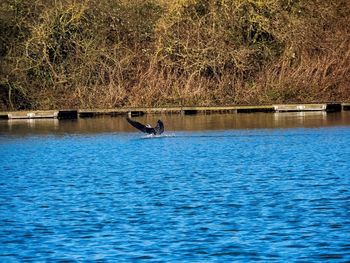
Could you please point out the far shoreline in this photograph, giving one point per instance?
(184, 110)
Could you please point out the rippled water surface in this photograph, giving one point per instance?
(215, 188)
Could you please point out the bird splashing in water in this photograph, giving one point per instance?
(157, 130)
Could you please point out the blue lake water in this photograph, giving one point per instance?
(220, 188)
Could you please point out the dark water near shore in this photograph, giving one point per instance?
(214, 188)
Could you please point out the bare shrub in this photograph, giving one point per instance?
(109, 54)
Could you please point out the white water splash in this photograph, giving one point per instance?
(163, 135)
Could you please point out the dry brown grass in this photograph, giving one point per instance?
(84, 54)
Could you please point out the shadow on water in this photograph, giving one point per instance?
(176, 123)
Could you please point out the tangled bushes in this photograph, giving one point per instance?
(181, 52)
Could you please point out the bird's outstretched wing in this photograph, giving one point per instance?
(140, 126)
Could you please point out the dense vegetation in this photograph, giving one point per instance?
(104, 54)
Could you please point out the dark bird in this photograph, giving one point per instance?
(159, 129)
